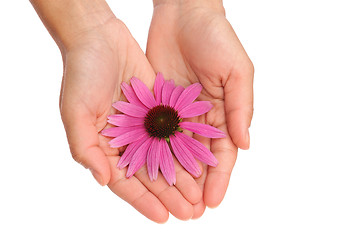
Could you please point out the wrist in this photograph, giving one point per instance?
(214, 5)
(67, 19)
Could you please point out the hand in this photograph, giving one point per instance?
(192, 41)
(95, 66)
(98, 54)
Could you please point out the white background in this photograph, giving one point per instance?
(301, 179)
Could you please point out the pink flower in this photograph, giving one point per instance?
(152, 128)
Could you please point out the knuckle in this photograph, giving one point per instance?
(248, 111)
(249, 68)
(78, 157)
(245, 70)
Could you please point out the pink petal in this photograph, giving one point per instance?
(175, 95)
(117, 131)
(130, 109)
(184, 156)
(167, 91)
(195, 109)
(143, 93)
(127, 138)
(203, 129)
(122, 120)
(167, 163)
(158, 85)
(128, 153)
(131, 96)
(153, 159)
(188, 96)
(198, 150)
(139, 157)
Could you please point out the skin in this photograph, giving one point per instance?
(99, 53)
(192, 41)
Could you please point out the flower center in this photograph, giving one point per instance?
(162, 121)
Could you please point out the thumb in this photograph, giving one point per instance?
(238, 94)
(84, 145)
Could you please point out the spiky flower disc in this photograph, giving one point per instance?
(162, 121)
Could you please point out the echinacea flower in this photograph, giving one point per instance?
(152, 128)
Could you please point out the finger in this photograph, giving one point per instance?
(171, 198)
(218, 177)
(238, 94)
(84, 145)
(186, 184)
(200, 207)
(136, 194)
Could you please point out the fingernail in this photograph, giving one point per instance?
(97, 176)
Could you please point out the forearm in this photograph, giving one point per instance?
(65, 19)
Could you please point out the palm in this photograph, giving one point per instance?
(94, 70)
(200, 46)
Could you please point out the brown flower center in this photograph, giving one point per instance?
(162, 121)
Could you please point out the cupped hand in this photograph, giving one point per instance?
(197, 44)
(95, 64)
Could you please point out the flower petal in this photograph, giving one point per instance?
(127, 138)
(175, 95)
(158, 85)
(184, 156)
(143, 93)
(188, 96)
(131, 96)
(167, 163)
(128, 153)
(130, 109)
(153, 159)
(167, 92)
(122, 120)
(198, 150)
(195, 109)
(139, 157)
(203, 129)
(117, 131)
